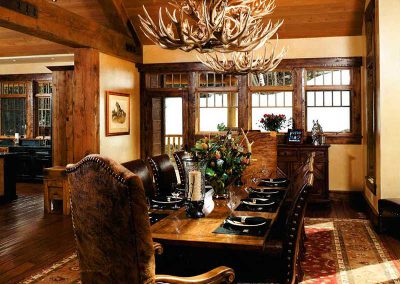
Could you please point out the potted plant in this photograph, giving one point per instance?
(226, 157)
(272, 122)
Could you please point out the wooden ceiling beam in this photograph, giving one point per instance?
(64, 27)
(115, 12)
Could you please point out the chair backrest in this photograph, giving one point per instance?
(163, 172)
(110, 222)
(140, 168)
(294, 225)
(178, 156)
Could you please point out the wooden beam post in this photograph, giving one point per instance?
(62, 128)
(59, 25)
(86, 103)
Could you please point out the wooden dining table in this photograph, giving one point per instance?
(178, 229)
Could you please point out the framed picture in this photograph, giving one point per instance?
(295, 136)
(117, 114)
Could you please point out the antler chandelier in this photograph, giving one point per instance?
(241, 63)
(223, 26)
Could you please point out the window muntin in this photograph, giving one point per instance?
(13, 116)
(274, 78)
(329, 99)
(167, 80)
(214, 80)
(216, 108)
(328, 77)
(271, 103)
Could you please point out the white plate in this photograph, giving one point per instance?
(258, 204)
(264, 191)
(240, 224)
(172, 200)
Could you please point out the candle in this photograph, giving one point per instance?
(17, 136)
(195, 185)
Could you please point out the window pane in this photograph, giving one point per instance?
(280, 99)
(203, 100)
(346, 98)
(218, 100)
(332, 119)
(310, 99)
(310, 78)
(345, 77)
(319, 98)
(337, 101)
(327, 98)
(263, 99)
(173, 116)
(211, 117)
(319, 78)
(210, 100)
(336, 77)
(288, 99)
(274, 78)
(258, 113)
(328, 78)
(271, 100)
(255, 99)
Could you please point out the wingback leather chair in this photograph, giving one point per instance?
(112, 229)
(139, 167)
(163, 172)
(178, 156)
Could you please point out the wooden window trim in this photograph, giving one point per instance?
(244, 90)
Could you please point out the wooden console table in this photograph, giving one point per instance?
(290, 159)
(7, 177)
(56, 188)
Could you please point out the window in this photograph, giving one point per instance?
(328, 100)
(271, 93)
(217, 80)
(43, 108)
(168, 80)
(13, 116)
(217, 108)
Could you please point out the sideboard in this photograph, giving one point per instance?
(291, 157)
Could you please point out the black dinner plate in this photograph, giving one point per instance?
(272, 182)
(246, 221)
(257, 202)
(166, 200)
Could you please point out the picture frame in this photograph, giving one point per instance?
(117, 113)
(295, 136)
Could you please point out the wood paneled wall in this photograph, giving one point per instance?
(62, 128)
(86, 103)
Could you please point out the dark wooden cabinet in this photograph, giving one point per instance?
(7, 177)
(292, 157)
(31, 161)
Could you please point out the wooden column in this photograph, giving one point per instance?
(244, 111)
(62, 128)
(86, 103)
(30, 122)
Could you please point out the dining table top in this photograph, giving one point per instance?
(178, 229)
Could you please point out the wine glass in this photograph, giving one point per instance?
(175, 193)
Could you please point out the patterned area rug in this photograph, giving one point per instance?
(338, 251)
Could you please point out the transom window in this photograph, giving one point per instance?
(168, 80)
(217, 80)
(275, 78)
(328, 100)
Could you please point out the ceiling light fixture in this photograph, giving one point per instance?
(223, 26)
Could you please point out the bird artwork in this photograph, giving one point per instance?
(118, 114)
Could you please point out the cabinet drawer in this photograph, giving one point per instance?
(55, 193)
(287, 153)
(54, 183)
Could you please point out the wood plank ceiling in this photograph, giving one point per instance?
(303, 19)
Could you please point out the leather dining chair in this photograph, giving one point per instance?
(178, 156)
(139, 167)
(163, 172)
(112, 229)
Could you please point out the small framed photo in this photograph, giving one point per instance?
(295, 136)
(117, 114)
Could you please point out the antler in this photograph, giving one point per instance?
(218, 25)
(248, 144)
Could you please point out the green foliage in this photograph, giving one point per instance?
(221, 127)
(225, 157)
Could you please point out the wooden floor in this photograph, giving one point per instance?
(31, 241)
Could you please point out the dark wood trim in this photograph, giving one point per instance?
(25, 77)
(146, 137)
(61, 68)
(192, 109)
(285, 64)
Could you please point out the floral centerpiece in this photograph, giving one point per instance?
(272, 122)
(226, 157)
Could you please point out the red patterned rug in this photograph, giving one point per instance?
(338, 251)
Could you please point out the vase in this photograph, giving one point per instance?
(220, 189)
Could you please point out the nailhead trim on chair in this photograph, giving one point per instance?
(156, 172)
(101, 163)
(179, 165)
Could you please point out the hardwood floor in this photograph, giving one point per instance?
(31, 241)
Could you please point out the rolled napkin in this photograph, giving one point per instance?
(248, 220)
